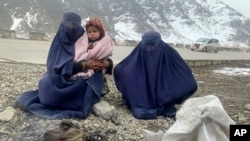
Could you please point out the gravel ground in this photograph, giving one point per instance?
(15, 78)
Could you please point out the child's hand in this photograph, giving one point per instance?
(97, 64)
(105, 64)
(94, 64)
(102, 64)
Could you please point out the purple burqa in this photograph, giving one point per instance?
(58, 96)
(153, 78)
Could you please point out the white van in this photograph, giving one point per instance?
(206, 45)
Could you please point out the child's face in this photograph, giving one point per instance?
(93, 33)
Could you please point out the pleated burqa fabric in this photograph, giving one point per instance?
(153, 78)
(57, 95)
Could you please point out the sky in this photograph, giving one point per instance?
(241, 6)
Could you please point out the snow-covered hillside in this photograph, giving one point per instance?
(181, 21)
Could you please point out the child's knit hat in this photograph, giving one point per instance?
(94, 21)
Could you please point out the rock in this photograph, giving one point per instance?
(200, 82)
(104, 110)
(247, 106)
(7, 114)
(241, 118)
(25, 126)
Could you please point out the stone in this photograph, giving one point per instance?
(247, 106)
(7, 114)
(104, 110)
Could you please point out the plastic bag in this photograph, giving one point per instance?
(199, 119)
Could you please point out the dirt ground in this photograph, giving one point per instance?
(15, 78)
(233, 91)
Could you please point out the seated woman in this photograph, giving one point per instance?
(153, 78)
(59, 96)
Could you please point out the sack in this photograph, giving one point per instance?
(199, 119)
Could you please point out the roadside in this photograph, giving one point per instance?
(18, 125)
(34, 51)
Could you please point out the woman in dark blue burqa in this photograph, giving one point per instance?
(58, 96)
(153, 78)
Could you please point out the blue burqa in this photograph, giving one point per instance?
(153, 78)
(58, 96)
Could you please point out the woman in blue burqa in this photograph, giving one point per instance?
(58, 95)
(153, 78)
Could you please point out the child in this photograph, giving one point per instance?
(94, 44)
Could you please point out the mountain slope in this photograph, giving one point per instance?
(177, 21)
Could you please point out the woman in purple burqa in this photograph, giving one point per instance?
(153, 78)
(58, 96)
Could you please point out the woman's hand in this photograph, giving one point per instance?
(97, 64)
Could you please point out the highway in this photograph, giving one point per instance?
(32, 51)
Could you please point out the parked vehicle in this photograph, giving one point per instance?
(206, 45)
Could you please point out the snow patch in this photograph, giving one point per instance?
(233, 71)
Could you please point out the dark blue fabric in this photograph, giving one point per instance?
(61, 54)
(74, 101)
(58, 96)
(153, 78)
